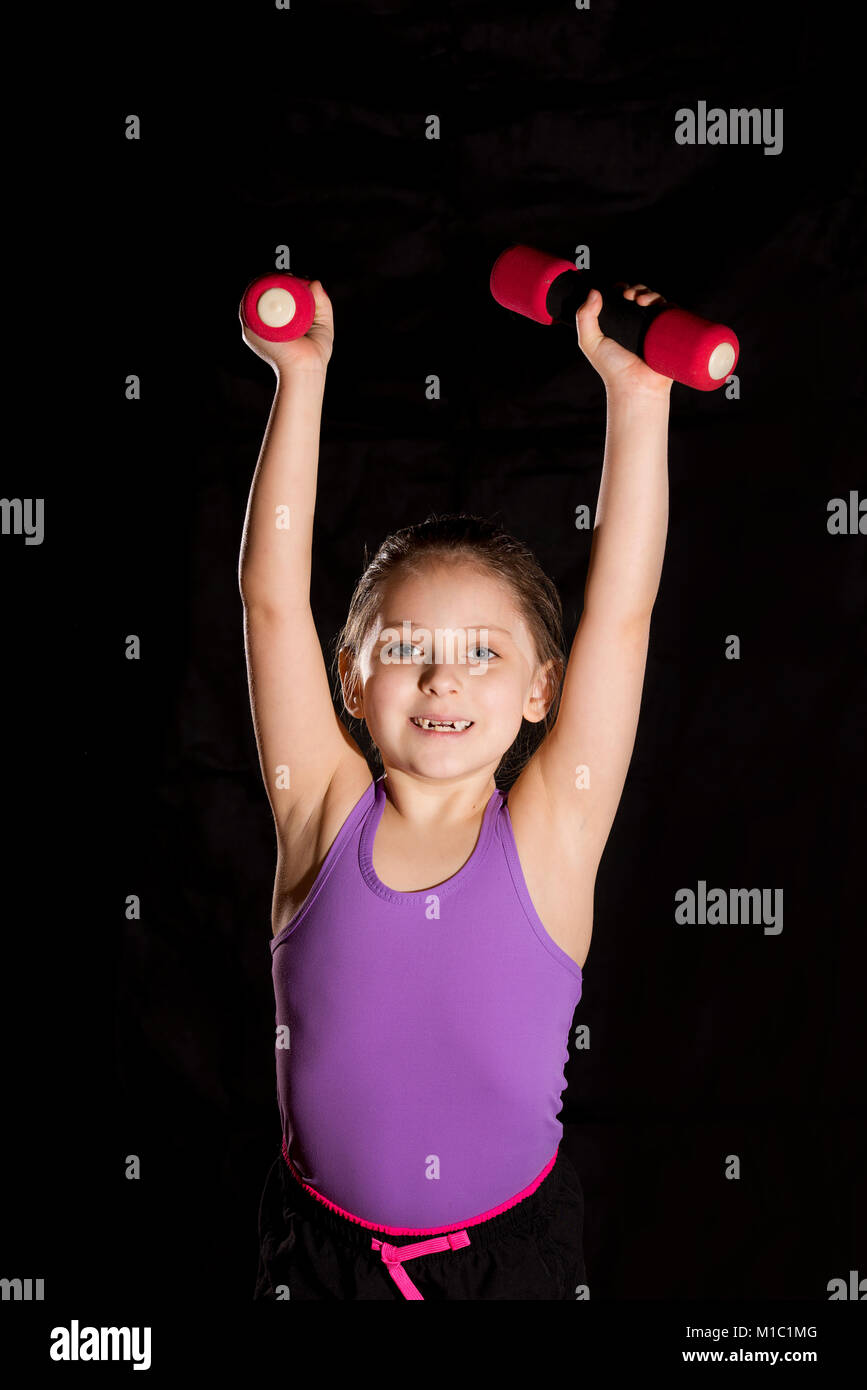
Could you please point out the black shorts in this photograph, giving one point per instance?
(531, 1250)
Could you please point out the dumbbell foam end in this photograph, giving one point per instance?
(278, 307)
(690, 349)
(521, 278)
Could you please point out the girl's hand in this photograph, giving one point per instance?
(618, 367)
(312, 352)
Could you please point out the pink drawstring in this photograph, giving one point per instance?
(394, 1255)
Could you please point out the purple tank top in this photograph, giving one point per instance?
(421, 1037)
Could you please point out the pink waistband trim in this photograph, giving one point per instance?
(416, 1230)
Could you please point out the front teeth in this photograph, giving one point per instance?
(458, 724)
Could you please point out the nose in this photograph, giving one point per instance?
(439, 679)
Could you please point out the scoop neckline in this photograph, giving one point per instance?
(449, 885)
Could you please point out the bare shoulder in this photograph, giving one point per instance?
(305, 837)
(559, 871)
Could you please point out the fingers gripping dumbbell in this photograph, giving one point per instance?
(674, 342)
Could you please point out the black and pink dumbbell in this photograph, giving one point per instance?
(278, 307)
(671, 340)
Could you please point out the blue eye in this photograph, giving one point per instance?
(401, 647)
(409, 647)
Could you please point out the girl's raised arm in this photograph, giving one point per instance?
(585, 758)
(301, 740)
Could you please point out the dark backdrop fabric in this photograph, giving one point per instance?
(306, 127)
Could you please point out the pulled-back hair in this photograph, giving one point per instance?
(478, 541)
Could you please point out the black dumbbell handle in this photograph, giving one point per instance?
(621, 319)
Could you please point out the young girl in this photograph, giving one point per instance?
(429, 928)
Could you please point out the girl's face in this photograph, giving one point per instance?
(448, 644)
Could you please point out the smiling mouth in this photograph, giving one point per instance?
(446, 726)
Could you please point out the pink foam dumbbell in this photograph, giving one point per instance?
(278, 307)
(673, 341)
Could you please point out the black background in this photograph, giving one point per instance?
(307, 128)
